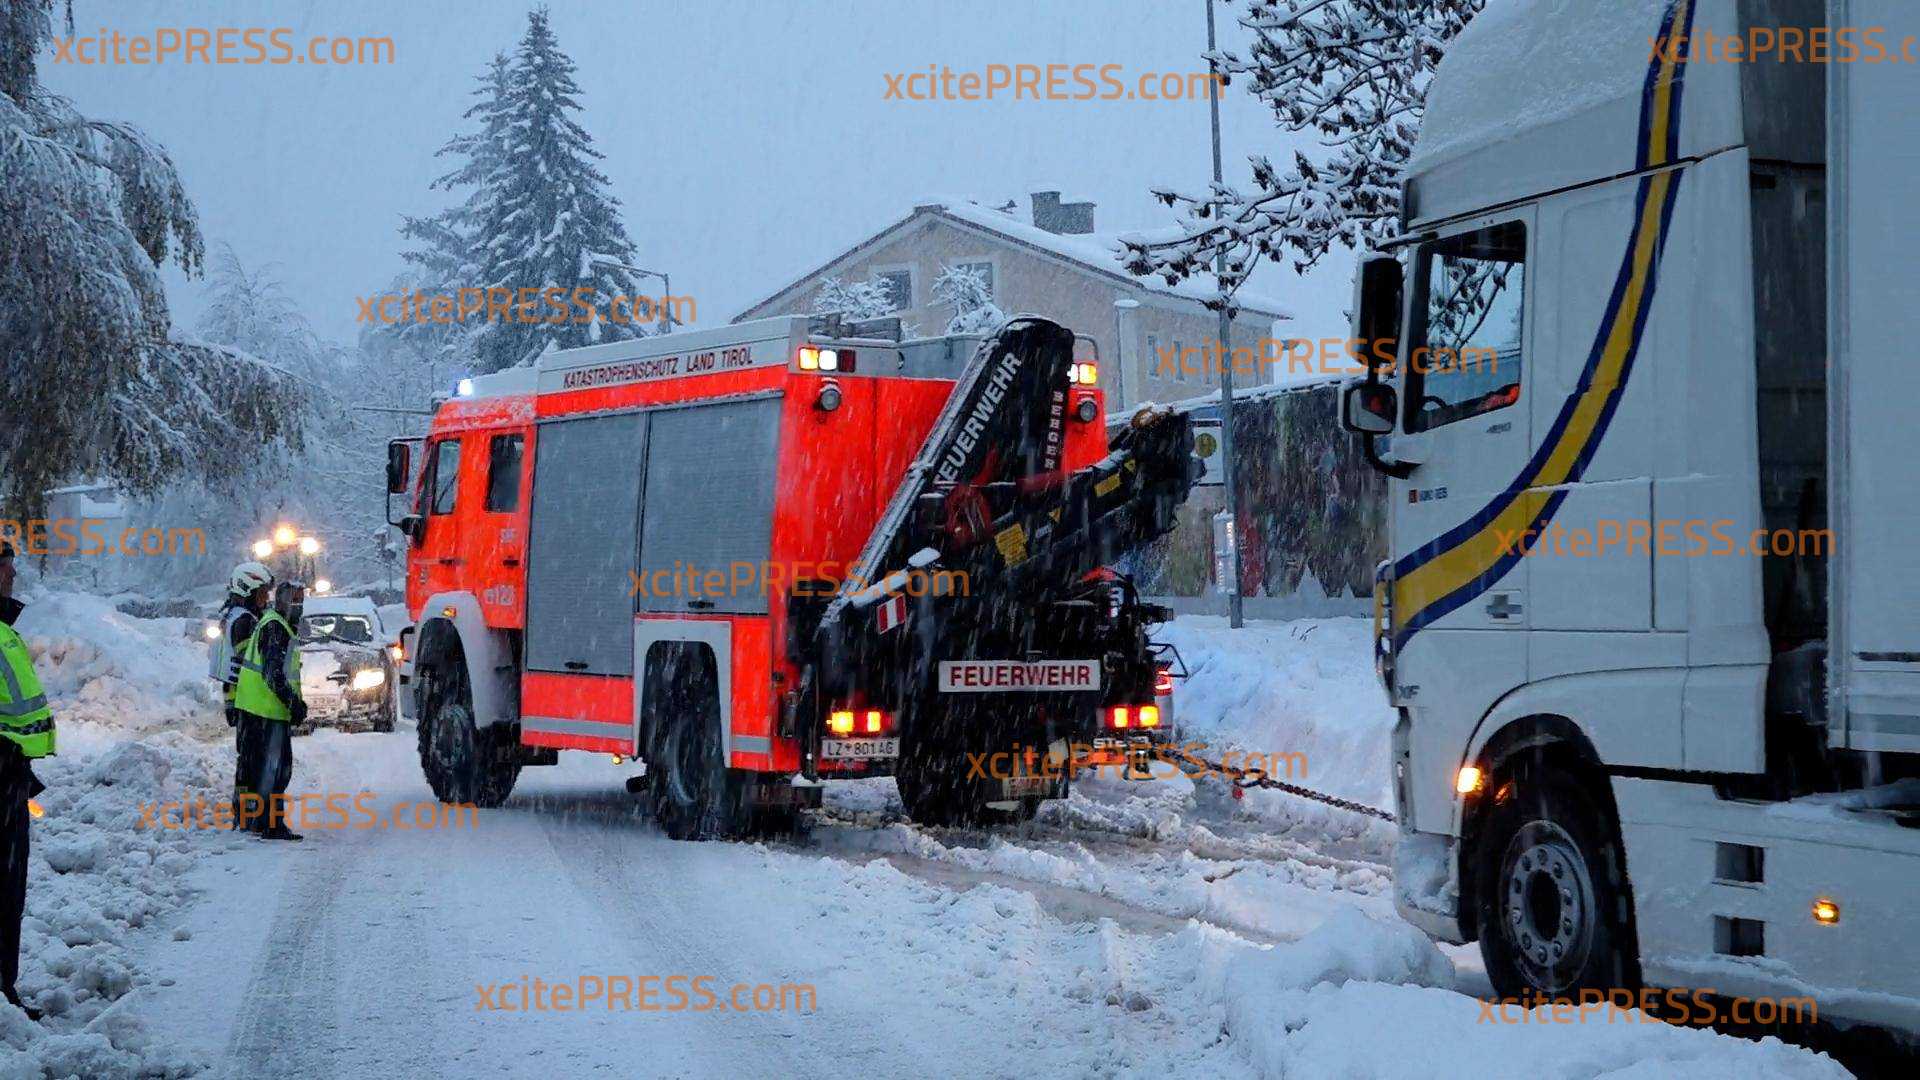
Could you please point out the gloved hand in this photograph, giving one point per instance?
(299, 712)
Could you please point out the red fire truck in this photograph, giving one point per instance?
(781, 552)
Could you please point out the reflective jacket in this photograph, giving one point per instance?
(25, 719)
(265, 693)
(237, 625)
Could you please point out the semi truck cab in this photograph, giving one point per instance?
(1651, 621)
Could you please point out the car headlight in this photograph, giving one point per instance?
(368, 679)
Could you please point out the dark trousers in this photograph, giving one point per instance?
(13, 883)
(263, 772)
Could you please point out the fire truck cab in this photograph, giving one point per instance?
(629, 548)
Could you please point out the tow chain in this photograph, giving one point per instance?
(1242, 779)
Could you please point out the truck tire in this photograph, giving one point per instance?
(695, 796)
(455, 755)
(1554, 906)
(937, 789)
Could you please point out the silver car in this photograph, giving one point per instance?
(348, 674)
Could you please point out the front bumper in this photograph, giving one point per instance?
(1426, 885)
(361, 711)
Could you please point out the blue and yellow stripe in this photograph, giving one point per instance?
(1451, 570)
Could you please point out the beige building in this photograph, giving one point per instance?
(1051, 263)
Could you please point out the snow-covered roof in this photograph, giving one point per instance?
(1096, 253)
(1536, 95)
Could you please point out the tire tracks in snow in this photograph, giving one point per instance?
(293, 981)
(656, 917)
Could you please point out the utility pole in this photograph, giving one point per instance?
(1234, 615)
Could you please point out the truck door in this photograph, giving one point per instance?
(497, 547)
(1459, 596)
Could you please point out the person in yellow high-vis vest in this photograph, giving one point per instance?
(268, 698)
(26, 733)
(249, 590)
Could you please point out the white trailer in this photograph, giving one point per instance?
(1633, 749)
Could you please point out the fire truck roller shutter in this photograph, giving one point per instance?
(586, 505)
(709, 507)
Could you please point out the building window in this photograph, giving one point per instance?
(982, 270)
(899, 284)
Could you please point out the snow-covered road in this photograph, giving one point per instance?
(1141, 929)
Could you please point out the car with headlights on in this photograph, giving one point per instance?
(347, 670)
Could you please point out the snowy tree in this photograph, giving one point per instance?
(1352, 73)
(967, 292)
(331, 487)
(859, 300)
(545, 217)
(450, 253)
(96, 382)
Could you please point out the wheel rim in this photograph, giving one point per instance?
(451, 746)
(1547, 909)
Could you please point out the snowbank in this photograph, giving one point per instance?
(137, 726)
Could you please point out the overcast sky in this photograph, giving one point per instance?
(748, 141)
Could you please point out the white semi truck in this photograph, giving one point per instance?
(1651, 620)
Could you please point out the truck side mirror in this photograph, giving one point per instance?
(399, 466)
(414, 526)
(1368, 408)
(1377, 297)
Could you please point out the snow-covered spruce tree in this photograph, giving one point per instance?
(974, 311)
(93, 382)
(855, 301)
(1354, 73)
(449, 253)
(545, 218)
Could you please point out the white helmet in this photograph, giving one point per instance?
(247, 577)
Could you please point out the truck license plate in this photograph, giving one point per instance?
(843, 749)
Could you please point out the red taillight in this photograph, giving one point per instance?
(1162, 680)
(876, 721)
(1122, 717)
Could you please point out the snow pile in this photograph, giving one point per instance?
(1301, 687)
(1360, 996)
(135, 728)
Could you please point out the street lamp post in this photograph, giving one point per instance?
(666, 289)
(1226, 352)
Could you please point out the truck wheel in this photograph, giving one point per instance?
(936, 788)
(457, 757)
(695, 795)
(1555, 909)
